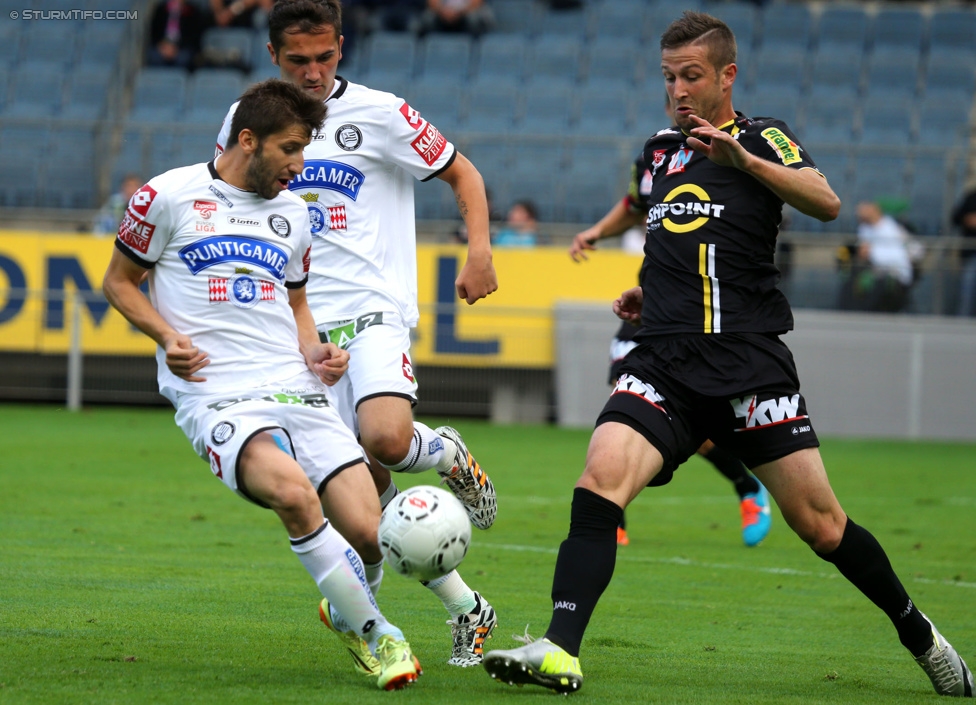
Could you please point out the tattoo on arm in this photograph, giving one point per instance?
(462, 206)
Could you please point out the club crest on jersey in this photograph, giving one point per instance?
(241, 290)
(211, 251)
(324, 219)
(222, 433)
(205, 208)
(348, 138)
(679, 160)
(330, 175)
(279, 225)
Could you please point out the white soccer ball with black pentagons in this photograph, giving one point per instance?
(424, 533)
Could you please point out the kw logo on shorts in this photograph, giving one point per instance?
(628, 384)
(766, 413)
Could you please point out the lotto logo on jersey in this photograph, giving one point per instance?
(205, 208)
(679, 160)
(429, 144)
(142, 199)
(408, 368)
(135, 232)
(412, 116)
(787, 150)
(768, 412)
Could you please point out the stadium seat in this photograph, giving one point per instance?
(439, 103)
(536, 154)
(515, 16)
(434, 200)
(612, 61)
(10, 36)
(930, 191)
(620, 20)
(159, 95)
(837, 66)
(786, 25)
(210, 92)
(264, 70)
(35, 90)
(779, 66)
(570, 23)
(944, 119)
(261, 58)
(539, 187)
(87, 91)
(547, 108)
(780, 102)
(879, 175)
(446, 58)
(100, 42)
(899, 28)
(586, 198)
(554, 59)
(886, 120)
(490, 157)
(659, 15)
(604, 108)
(953, 27)
(194, 144)
(830, 122)
(502, 56)
(845, 26)
(742, 18)
(390, 55)
(891, 69)
(227, 47)
(492, 106)
(52, 41)
(951, 71)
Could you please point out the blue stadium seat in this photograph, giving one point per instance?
(4, 81)
(10, 36)
(439, 103)
(391, 55)
(612, 61)
(228, 46)
(649, 112)
(659, 15)
(515, 16)
(838, 66)
(536, 186)
(778, 66)
(502, 56)
(930, 191)
(446, 58)
(100, 42)
(886, 120)
(492, 106)
(845, 26)
(900, 28)
(210, 92)
(261, 58)
(193, 145)
(35, 90)
(951, 70)
(536, 154)
(953, 27)
(944, 119)
(892, 70)
(786, 25)
(87, 92)
(52, 41)
(878, 175)
(833, 162)
(158, 95)
(434, 200)
(571, 23)
(741, 17)
(780, 102)
(547, 109)
(621, 20)
(830, 122)
(554, 59)
(264, 70)
(489, 156)
(587, 197)
(600, 162)
(604, 108)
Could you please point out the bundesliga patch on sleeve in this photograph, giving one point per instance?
(787, 150)
(429, 144)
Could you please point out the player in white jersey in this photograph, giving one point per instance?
(358, 184)
(226, 249)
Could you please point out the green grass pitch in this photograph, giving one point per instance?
(128, 574)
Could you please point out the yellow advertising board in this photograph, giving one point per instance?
(41, 275)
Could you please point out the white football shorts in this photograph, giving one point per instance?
(299, 413)
(379, 361)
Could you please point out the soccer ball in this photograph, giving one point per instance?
(424, 533)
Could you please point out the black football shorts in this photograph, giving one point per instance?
(740, 391)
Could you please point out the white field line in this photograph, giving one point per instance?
(714, 566)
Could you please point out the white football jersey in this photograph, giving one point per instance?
(221, 261)
(358, 185)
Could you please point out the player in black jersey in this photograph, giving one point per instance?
(710, 363)
(629, 212)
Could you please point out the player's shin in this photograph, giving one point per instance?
(453, 592)
(861, 559)
(427, 450)
(583, 568)
(341, 576)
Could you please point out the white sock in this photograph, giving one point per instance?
(427, 450)
(339, 572)
(374, 576)
(457, 597)
(388, 494)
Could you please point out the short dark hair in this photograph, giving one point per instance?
(305, 16)
(529, 207)
(273, 106)
(693, 27)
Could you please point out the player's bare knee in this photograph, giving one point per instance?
(388, 446)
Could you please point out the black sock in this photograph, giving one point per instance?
(583, 568)
(732, 468)
(860, 559)
(623, 521)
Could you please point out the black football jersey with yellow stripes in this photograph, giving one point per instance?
(711, 235)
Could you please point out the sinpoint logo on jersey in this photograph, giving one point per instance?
(331, 175)
(234, 248)
(683, 216)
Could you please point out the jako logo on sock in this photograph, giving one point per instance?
(357, 567)
(563, 605)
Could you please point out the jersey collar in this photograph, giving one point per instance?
(338, 88)
(724, 126)
(212, 168)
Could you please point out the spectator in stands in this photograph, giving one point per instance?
(174, 32)
(521, 227)
(471, 16)
(241, 13)
(885, 246)
(108, 218)
(964, 218)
